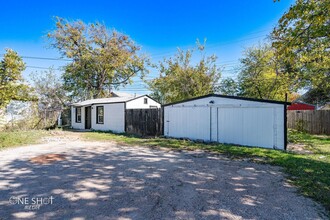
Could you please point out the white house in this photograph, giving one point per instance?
(107, 113)
(228, 119)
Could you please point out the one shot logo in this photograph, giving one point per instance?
(31, 203)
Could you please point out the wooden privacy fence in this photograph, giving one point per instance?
(145, 122)
(314, 122)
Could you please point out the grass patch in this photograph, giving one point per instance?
(310, 172)
(19, 138)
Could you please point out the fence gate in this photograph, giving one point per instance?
(145, 122)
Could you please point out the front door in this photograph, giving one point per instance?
(88, 114)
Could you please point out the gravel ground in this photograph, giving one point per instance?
(99, 180)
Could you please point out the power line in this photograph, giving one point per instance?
(47, 58)
(44, 58)
(159, 54)
(228, 63)
(60, 67)
(217, 84)
(44, 68)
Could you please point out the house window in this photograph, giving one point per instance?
(78, 115)
(145, 100)
(99, 114)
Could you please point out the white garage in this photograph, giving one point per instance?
(228, 119)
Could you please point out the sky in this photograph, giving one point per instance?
(159, 27)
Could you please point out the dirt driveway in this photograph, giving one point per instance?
(99, 180)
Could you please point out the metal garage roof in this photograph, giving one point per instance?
(231, 97)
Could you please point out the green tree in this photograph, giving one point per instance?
(316, 96)
(12, 86)
(301, 41)
(49, 89)
(180, 79)
(259, 76)
(102, 59)
(52, 98)
(229, 86)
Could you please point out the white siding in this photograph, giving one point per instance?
(114, 118)
(214, 126)
(74, 124)
(139, 103)
(114, 114)
(192, 123)
(247, 126)
(227, 120)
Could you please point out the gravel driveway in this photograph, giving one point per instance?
(100, 180)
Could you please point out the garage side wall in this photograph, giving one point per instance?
(227, 120)
(114, 118)
(74, 124)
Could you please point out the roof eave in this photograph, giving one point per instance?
(230, 97)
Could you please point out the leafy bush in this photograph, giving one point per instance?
(17, 138)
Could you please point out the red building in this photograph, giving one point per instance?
(301, 106)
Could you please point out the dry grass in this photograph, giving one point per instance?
(48, 158)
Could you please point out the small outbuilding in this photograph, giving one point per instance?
(228, 119)
(301, 106)
(107, 114)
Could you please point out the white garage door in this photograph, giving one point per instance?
(247, 126)
(188, 122)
